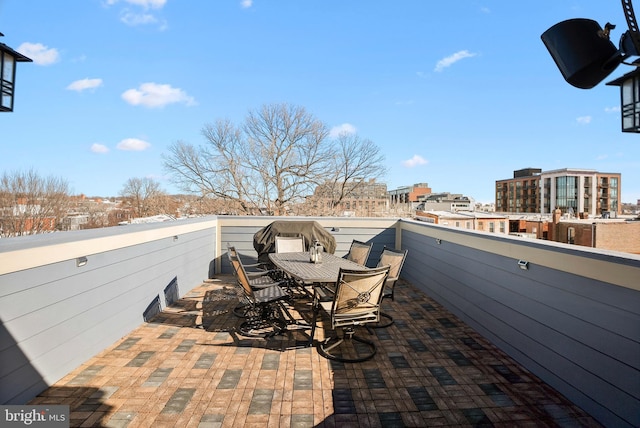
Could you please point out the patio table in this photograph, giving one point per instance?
(317, 275)
(298, 266)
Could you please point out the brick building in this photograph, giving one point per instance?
(364, 199)
(485, 222)
(445, 201)
(606, 234)
(408, 194)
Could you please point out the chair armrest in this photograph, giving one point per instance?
(254, 265)
(320, 292)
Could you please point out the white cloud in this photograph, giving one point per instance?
(133, 145)
(615, 109)
(99, 148)
(137, 14)
(39, 53)
(156, 95)
(345, 128)
(246, 4)
(132, 19)
(82, 84)
(147, 4)
(415, 161)
(584, 120)
(452, 59)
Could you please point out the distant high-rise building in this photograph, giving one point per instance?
(573, 191)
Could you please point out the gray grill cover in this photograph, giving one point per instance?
(264, 240)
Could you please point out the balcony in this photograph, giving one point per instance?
(107, 320)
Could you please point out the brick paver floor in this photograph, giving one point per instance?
(189, 367)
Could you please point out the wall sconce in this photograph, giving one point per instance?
(8, 60)
(81, 261)
(523, 264)
(175, 238)
(438, 241)
(629, 99)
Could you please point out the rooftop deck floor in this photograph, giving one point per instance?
(190, 368)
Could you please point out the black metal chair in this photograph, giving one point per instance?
(395, 260)
(262, 308)
(253, 269)
(356, 302)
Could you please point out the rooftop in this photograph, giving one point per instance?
(189, 367)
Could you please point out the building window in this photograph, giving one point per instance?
(567, 193)
(492, 227)
(502, 227)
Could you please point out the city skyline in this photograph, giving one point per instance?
(455, 95)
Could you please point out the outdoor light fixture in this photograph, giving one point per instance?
(8, 60)
(523, 264)
(81, 261)
(629, 100)
(585, 56)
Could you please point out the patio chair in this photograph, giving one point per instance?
(289, 244)
(256, 279)
(395, 260)
(262, 307)
(359, 252)
(356, 302)
(254, 269)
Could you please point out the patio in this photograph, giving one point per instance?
(189, 368)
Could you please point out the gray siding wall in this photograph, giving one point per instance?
(572, 318)
(56, 316)
(579, 334)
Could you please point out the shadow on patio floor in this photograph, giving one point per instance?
(190, 368)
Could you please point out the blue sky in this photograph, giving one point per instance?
(457, 94)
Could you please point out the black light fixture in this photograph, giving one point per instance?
(8, 60)
(629, 100)
(585, 56)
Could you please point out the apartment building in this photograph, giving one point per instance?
(574, 191)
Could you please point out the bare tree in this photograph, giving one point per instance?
(215, 169)
(31, 204)
(145, 197)
(354, 160)
(269, 164)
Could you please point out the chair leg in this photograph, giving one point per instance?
(383, 323)
(388, 319)
(325, 348)
(241, 310)
(263, 322)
